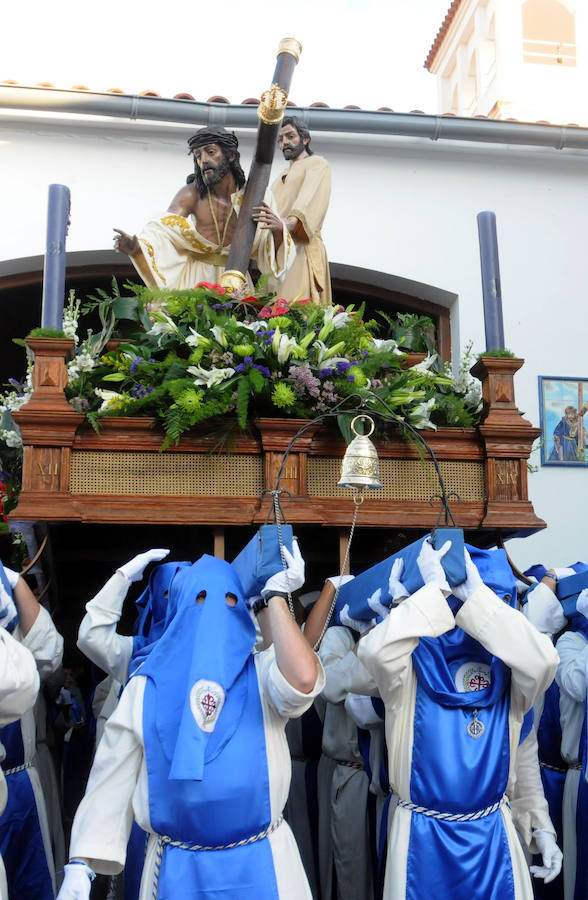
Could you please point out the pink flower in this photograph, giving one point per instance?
(301, 302)
(280, 308)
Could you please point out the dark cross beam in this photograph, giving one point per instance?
(270, 113)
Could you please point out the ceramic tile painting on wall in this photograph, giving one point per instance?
(562, 404)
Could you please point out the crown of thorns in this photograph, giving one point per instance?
(226, 139)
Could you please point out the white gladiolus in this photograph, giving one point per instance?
(420, 415)
(338, 319)
(220, 335)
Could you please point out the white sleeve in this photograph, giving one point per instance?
(528, 804)
(98, 638)
(386, 650)
(572, 648)
(44, 642)
(19, 679)
(544, 611)
(507, 634)
(285, 699)
(344, 672)
(102, 824)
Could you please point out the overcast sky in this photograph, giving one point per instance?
(364, 52)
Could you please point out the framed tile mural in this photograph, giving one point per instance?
(562, 404)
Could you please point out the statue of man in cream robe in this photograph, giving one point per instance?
(302, 194)
(190, 243)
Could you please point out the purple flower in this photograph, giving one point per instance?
(135, 364)
(240, 368)
(343, 367)
(248, 360)
(263, 369)
(14, 382)
(365, 353)
(351, 378)
(325, 373)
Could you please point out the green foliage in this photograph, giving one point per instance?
(45, 333)
(507, 354)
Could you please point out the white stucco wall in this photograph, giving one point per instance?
(402, 206)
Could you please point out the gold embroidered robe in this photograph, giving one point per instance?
(176, 255)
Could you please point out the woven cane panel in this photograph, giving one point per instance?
(192, 474)
(402, 479)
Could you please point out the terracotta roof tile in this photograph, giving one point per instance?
(445, 25)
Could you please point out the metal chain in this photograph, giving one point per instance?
(358, 500)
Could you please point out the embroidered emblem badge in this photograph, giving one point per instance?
(475, 728)
(206, 702)
(472, 676)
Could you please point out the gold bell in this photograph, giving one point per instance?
(361, 466)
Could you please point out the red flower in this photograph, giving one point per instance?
(210, 287)
(302, 302)
(280, 308)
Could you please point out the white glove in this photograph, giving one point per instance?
(361, 710)
(582, 602)
(544, 611)
(563, 573)
(339, 580)
(133, 570)
(8, 611)
(429, 563)
(472, 582)
(77, 882)
(551, 854)
(290, 580)
(377, 606)
(356, 624)
(395, 586)
(12, 577)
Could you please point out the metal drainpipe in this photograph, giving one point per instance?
(352, 121)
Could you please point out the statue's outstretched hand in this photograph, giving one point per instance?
(125, 243)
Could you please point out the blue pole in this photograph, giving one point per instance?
(54, 271)
(491, 289)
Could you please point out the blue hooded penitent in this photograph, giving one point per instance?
(567, 592)
(195, 666)
(152, 610)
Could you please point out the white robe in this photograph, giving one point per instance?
(386, 652)
(46, 645)
(118, 788)
(19, 685)
(97, 636)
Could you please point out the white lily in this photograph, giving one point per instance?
(162, 325)
(209, 377)
(423, 367)
(109, 398)
(197, 340)
(327, 353)
(285, 347)
(338, 319)
(387, 346)
(419, 416)
(254, 326)
(220, 335)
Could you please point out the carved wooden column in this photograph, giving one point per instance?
(48, 424)
(276, 435)
(508, 439)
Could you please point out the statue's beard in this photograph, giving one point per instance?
(292, 153)
(213, 175)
